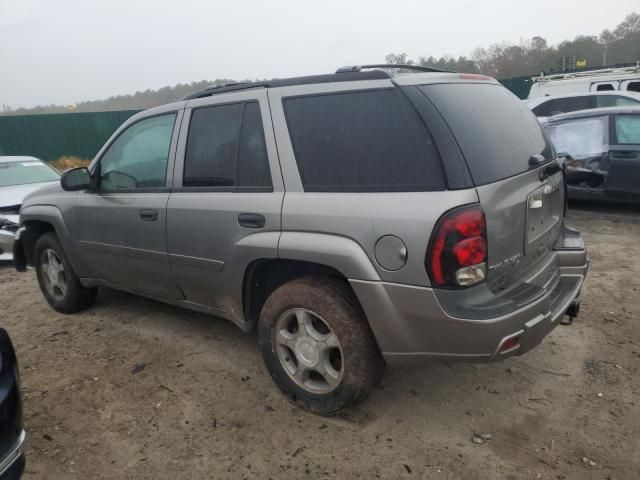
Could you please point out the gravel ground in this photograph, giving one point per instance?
(137, 389)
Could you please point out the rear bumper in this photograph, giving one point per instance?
(410, 321)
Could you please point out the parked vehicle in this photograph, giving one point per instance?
(352, 218)
(549, 106)
(12, 460)
(602, 80)
(19, 176)
(602, 151)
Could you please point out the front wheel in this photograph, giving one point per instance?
(317, 345)
(59, 284)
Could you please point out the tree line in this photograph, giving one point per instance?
(500, 60)
(533, 56)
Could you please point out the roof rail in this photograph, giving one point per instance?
(397, 66)
(225, 87)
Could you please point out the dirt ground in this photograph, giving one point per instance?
(134, 389)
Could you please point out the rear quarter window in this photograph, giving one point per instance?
(496, 132)
(369, 140)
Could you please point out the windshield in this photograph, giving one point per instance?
(24, 172)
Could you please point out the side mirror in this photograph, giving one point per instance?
(76, 179)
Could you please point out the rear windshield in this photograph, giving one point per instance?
(495, 130)
(24, 172)
(364, 141)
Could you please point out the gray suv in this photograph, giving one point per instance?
(352, 218)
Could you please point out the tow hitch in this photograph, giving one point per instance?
(571, 313)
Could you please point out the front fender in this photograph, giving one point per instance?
(32, 218)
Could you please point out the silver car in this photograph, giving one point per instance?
(352, 218)
(19, 176)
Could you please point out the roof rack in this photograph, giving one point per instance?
(588, 73)
(345, 76)
(225, 87)
(395, 66)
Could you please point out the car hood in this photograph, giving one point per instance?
(15, 194)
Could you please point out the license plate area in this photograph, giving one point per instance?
(544, 211)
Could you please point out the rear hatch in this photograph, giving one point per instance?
(511, 162)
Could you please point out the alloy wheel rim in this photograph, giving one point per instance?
(309, 351)
(53, 274)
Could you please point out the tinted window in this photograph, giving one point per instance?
(605, 87)
(137, 159)
(628, 129)
(633, 86)
(580, 138)
(570, 104)
(615, 101)
(544, 109)
(496, 132)
(225, 148)
(362, 141)
(25, 171)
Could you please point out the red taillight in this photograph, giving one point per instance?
(457, 256)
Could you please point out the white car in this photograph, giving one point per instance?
(623, 79)
(549, 106)
(19, 176)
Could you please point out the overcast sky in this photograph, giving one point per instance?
(66, 51)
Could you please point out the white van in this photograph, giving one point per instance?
(608, 79)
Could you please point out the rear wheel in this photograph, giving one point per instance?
(317, 345)
(59, 284)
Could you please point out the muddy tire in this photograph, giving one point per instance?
(317, 345)
(58, 282)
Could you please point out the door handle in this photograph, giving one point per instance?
(624, 155)
(251, 220)
(148, 215)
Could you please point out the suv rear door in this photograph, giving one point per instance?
(511, 162)
(227, 187)
(624, 156)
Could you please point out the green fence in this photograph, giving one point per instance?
(52, 136)
(520, 86)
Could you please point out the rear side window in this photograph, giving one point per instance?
(544, 109)
(362, 141)
(605, 87)
(497, 133)
(571, 104)
(226, 148)
(628, 129)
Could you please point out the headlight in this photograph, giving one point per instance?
(6, 224)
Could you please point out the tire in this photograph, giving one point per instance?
(65, 293)
(311, 308)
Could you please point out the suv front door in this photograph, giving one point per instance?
(121, 226)
(226, 198)
(624, 157)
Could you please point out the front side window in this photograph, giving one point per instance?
(633, 86)
(362, 141)
(628, 129)
(615, 101)
(580, 138)
(226, 148)
(137, 159)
